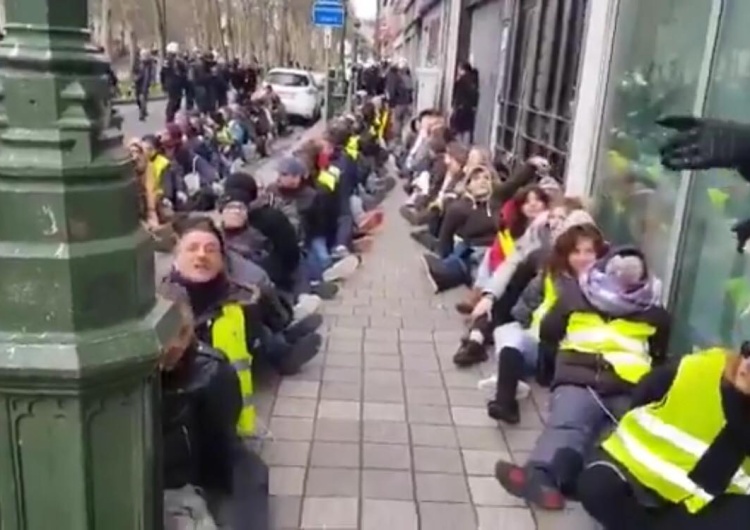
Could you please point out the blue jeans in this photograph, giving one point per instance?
(464, 257)
(317, 258)
(513, 335)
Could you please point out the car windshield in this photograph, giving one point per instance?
(287, 79)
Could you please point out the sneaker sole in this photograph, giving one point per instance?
(523, 492)
(342, 269)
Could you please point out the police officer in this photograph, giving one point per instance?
(173, 78)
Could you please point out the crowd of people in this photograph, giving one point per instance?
(247, 264)
(641, 436)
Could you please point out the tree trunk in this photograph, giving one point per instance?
(160, 12)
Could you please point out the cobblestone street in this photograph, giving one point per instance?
(381, 430)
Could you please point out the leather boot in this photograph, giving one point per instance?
(509, 372)
(466, 306)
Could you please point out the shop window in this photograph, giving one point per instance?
(711, 298)
(432, 36)
(658, 50)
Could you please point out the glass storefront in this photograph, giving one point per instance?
(678, 57)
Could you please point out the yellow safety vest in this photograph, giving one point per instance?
(228, 336)
(549, 299)
(159, 165)
(352, 147)
(329, 178)
(621, 342)
(661, 443)
(507, 243)
(382, 123)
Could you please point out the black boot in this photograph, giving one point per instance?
(509, 372)
(426, 239)
(442, 277)
(470, 353)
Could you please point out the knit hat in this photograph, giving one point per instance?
(458, 152)
(239, 187)
(629, 270)
(291, 166)
(574, 218)
(550, 185)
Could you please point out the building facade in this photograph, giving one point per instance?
(645, 59)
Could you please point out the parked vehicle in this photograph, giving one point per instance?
(298, 91)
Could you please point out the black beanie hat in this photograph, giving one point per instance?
(240, 187)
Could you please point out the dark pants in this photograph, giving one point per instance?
(141, 99)
(610, 499)
(173, 105)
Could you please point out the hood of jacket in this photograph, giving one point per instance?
(621, 284)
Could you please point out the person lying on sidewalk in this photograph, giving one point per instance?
(597, 342)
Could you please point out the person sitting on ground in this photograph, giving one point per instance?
(470, 220)
(313, 210)
(597, 341)
(578, 243)
(420, 187)
(525, 175)
(167, 177)
(206, 466)
(200, 267)
(148, 189)
(680, 458)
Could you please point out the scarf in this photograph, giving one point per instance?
(607, 294)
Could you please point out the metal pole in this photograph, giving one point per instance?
(327, 57)
(342, 44)
(378, 50)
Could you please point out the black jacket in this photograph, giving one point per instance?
(284, 256)
(474, 222)
(200, 407)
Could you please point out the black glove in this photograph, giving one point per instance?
(702, 143)
(741, 230)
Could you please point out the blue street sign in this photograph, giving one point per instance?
(328, 14)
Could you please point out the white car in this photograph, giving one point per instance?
(298, 91)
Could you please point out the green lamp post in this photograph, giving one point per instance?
(80, 326)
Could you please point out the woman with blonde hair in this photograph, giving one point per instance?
(148, 188)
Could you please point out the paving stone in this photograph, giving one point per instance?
(387, 484)
(572, 518)
(382, 362)
(378, 393)
(481, 438)
(352, 334)
(328, 513)
(384, 412)
(342, 375)
(344, 360)
(339, 410)
(426, 396)
(421, 363)
(295, 407)
(412, 335)
(337, 430)
(472, 417)
(433, 435)
(295, 429)
(486, 491)
(381, 348)
(444, 516)
(344, 346)
(505, 519)
(463, 379)
(382, 334)
(386, 456)
(435, 459)
(335, 454)
(383, 377)
(285, 511)
(417, 348)
(427, 414)
(441, 487)
(521, 439)
(466, 397)
(298, 389)
(482, 463)
(286, 481)
(393, 515)
(283, 453)
(423, 380)
(388, 432)
(340, 391)
(332, 482)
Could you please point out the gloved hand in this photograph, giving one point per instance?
(702, 143)
(741, 230)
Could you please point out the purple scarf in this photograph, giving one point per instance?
(607, 294)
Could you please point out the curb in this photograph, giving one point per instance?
(131, 101)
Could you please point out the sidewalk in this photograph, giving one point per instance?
(381, 431)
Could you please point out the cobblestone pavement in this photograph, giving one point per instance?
(381, 431)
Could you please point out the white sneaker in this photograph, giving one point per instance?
(342, 269)
(488, 386)
(307, 305)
